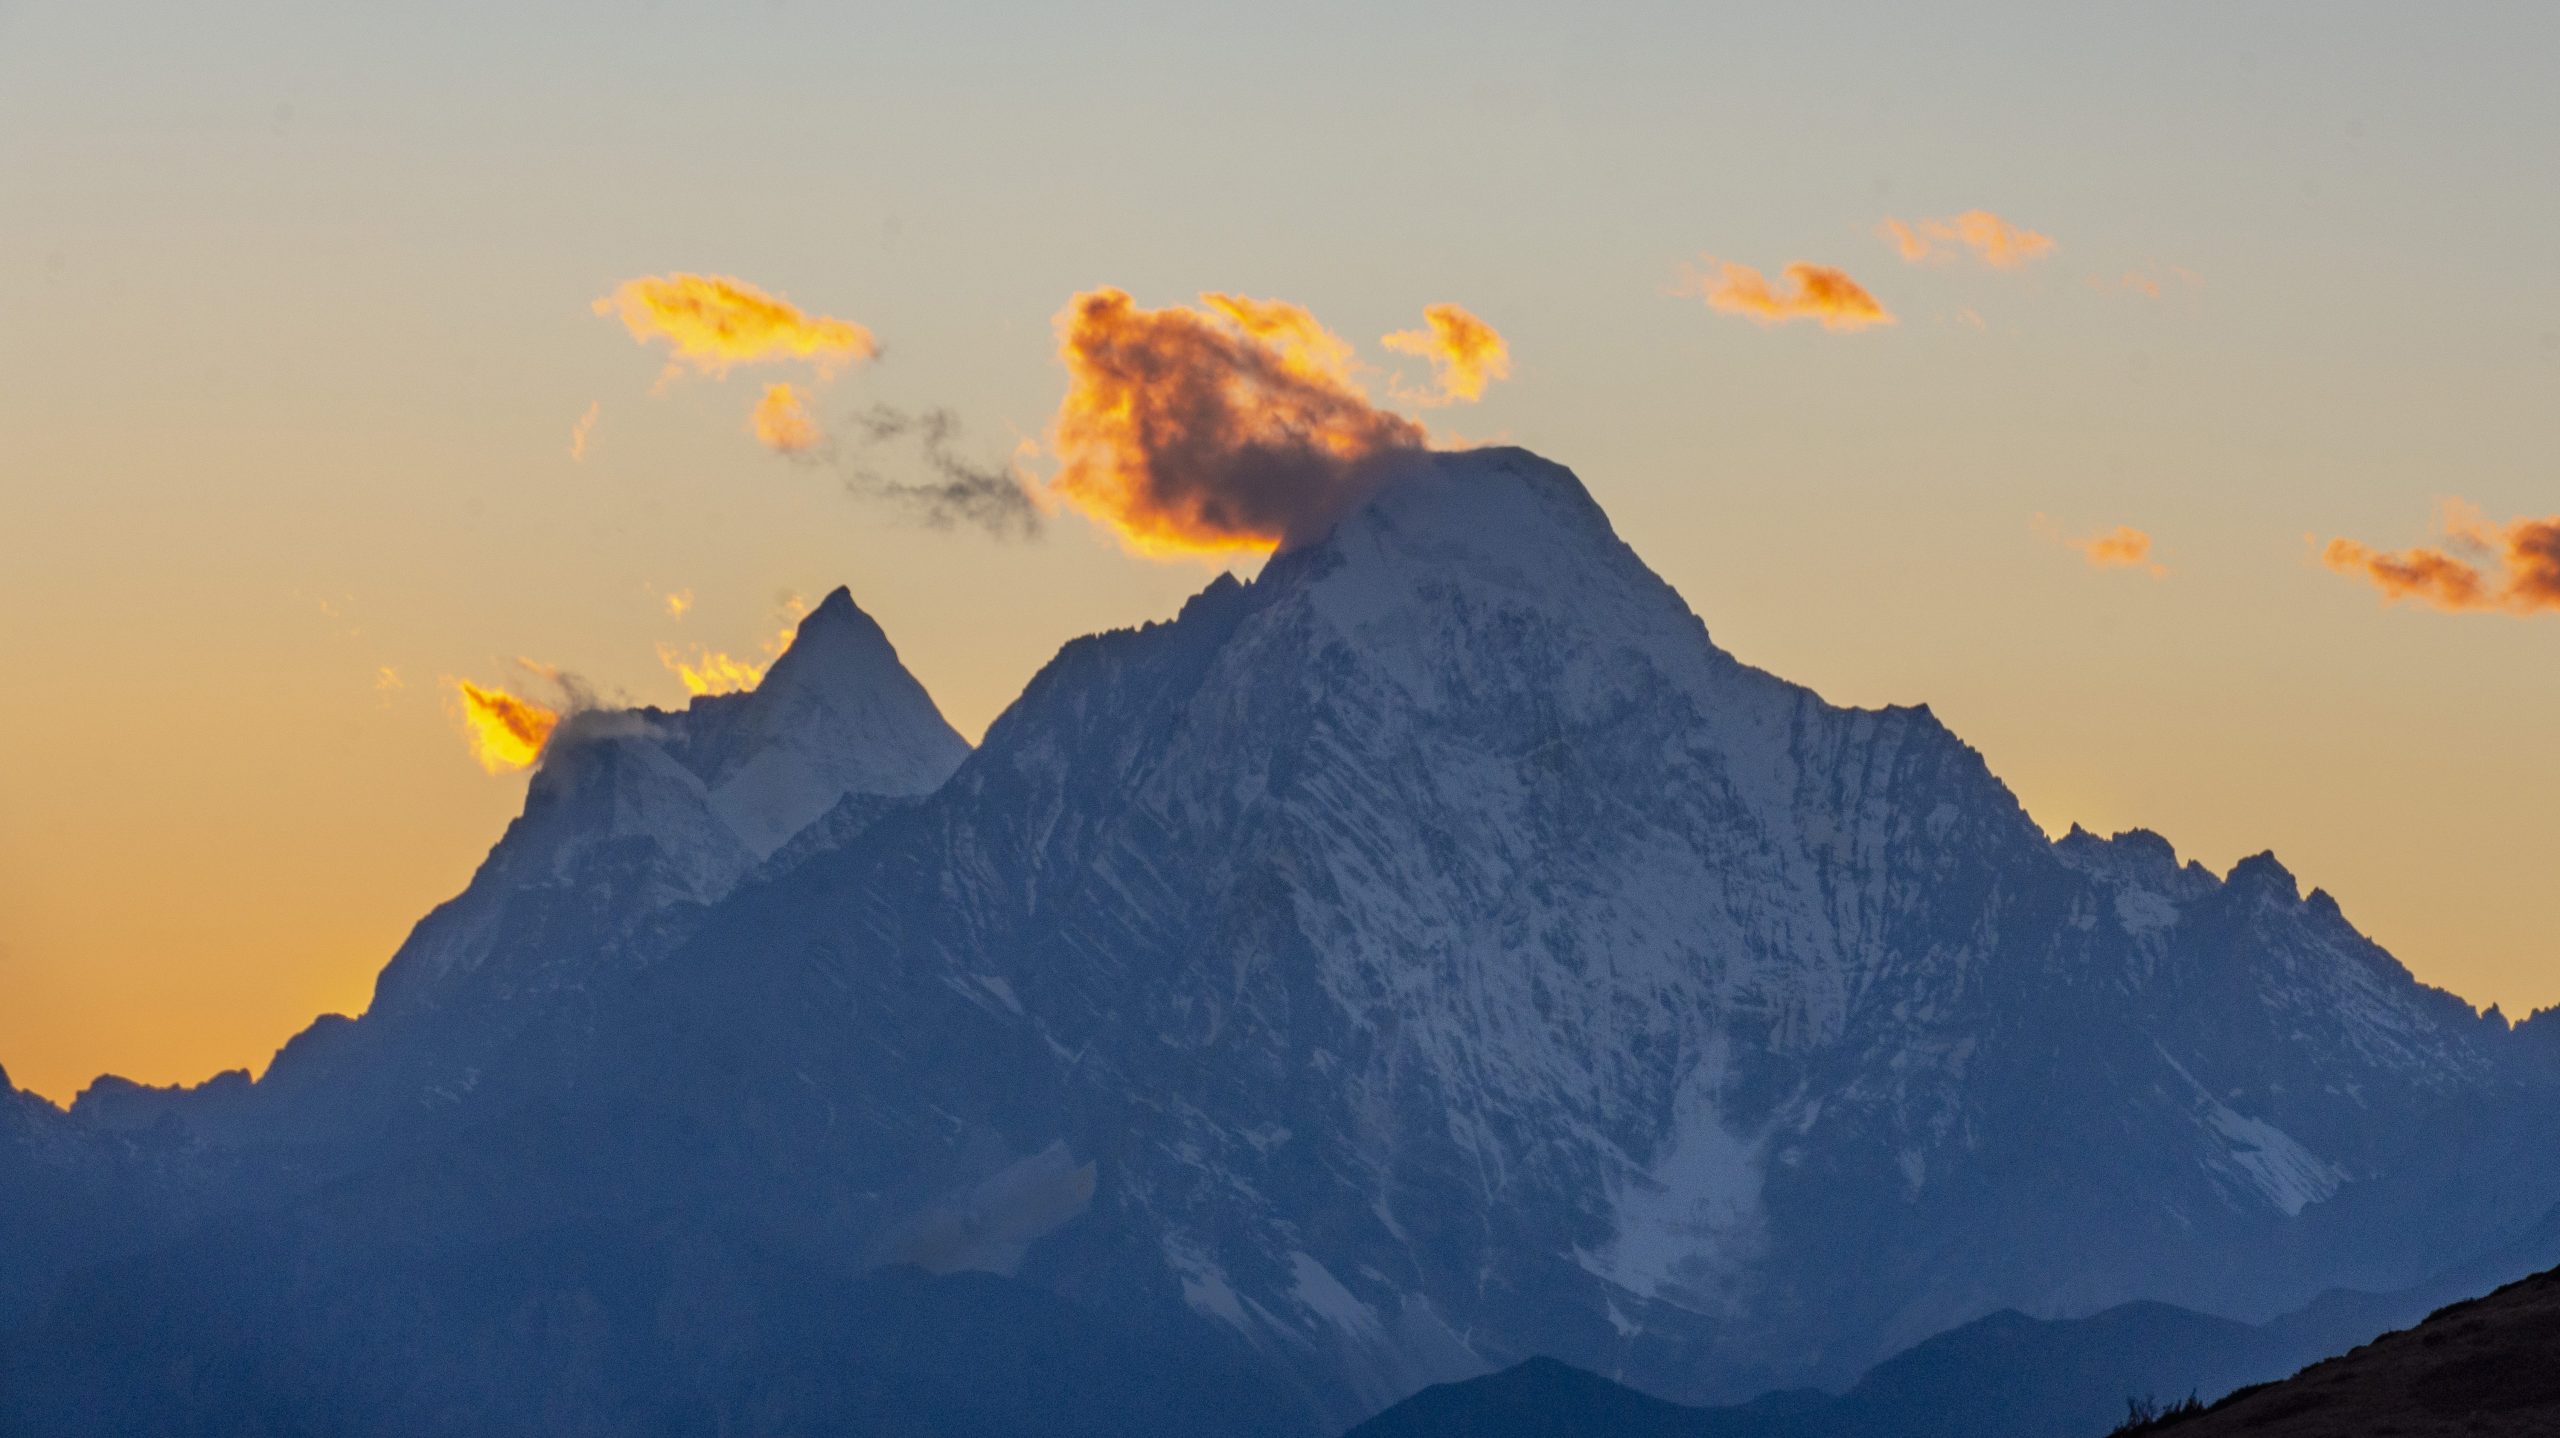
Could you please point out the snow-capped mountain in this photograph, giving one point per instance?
(1439, 952)
(1434, 953)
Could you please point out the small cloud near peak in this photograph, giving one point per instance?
(1464, 352)
(505, 731)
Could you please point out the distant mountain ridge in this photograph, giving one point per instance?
(1432, 954)
(2004, 1376)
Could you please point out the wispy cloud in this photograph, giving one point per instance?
(1810, 292)
(1465, 355)
(782, 423)
(578, 432)
(2149, 281)
(2123, 547)
(1987, 237)
(713, 322)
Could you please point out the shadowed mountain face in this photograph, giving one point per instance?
(1433, 954)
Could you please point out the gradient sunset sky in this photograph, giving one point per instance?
(297, 319)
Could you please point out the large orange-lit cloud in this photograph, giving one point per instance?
(1465, 353)
(1811, 292)
(505, 731)
(1991, 239)
(712, 322)
(1229, 428)
(782, 422)
(2512, 568)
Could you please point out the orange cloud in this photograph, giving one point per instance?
(678, 603)
(2123, 547)
(1229, 428)
(2515, 567)
(1465, 353)
(783, 423)
(711, 671)
(712, 322)
(2147, 283)
(1993, 240)
(578, 433)
(1812, 292)
(505, 732)
(1306, 347)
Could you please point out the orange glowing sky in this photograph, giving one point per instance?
(2165, 396)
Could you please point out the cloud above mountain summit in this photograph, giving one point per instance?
(1225, 428)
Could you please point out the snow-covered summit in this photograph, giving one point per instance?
(837, 714)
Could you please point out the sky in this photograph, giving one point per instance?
(298, 320)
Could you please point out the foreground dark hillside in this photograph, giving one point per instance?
(2487, 1367)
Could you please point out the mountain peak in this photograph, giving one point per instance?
(835, 642)
(1496, 499)
(836, 611)
(1500, 522)
(2263, 869)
